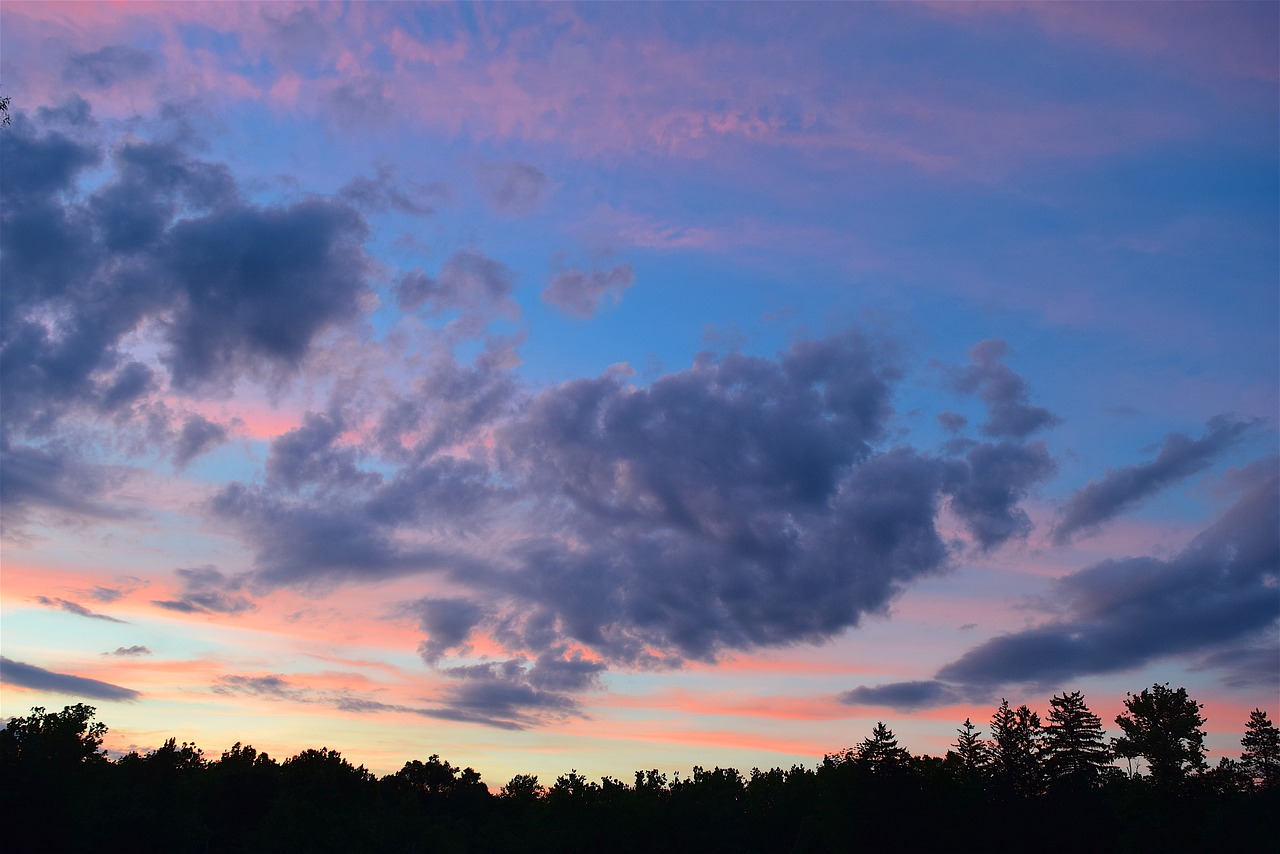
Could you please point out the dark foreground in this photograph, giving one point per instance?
(60, 793)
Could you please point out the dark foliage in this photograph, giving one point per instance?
(61, 793)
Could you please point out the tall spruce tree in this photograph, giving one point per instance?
(1261, 757)
(971, 750)
(1076, 751)
(881, 750)
(1016, 746)
(1164, 727)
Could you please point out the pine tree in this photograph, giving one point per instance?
(1261, 757)
(1016, 743)
(881, 749)
(1076, 751)
(1164, 727)
(971, 750)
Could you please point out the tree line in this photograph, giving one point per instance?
(1059, 784)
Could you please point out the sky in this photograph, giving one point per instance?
(621, 386)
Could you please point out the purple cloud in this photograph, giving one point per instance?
(1180, 457)
(580, 294)
(24, 675)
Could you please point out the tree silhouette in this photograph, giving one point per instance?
(523, 787)
(971, 751)
(61, 794)
(880, 751)
(1261, 756)
(53, 739)
(1016, 744)
(1075, 746)
(1164, 727)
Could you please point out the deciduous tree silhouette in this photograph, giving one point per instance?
(1164, 727)
(524, 787)
(53, 739)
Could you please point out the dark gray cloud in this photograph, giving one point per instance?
(319, 540)
(258, 284)
(1217, 597)
(737, 504)
(167, 237)
(165, 241)
(1004, 393)
(75, 608)
(107, 66)
(580, 294)
(310, 455)
(515, 188)
(205, 590)
(512, 694)
(1124, 488)
(903, 696)
(447, 623)
(37, 678)
(136, 649)
(741, 503)
(198, 435)
(997, 478)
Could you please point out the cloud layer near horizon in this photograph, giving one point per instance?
(1215, 597)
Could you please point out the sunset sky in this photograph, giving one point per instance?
(619, 386)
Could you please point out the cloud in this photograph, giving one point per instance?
(38, 679)
(447, 623)
(54, 478)
(130, 651)
(515, 188)
(1003, 392)
(742, 503)
(269, 686)
(197, 436)
(492, 695)
(107, 66)
(903, 696)
(997, 478)
(1217, 596)
(163, 242)
(258, 285)
(126, 584)
(1255, 665)
(470, 287)
(205, 590)
(309, 455)
(580, 294)
(75, 608)
(512, 694)
(737, 504)
(384, 192)
(1121, 489)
